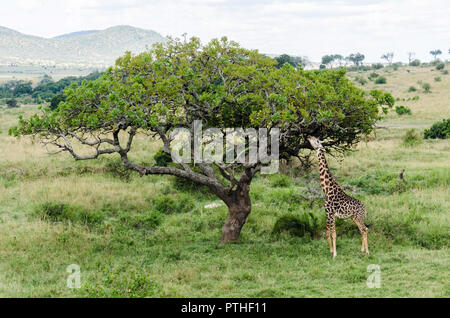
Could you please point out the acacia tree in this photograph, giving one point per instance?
(388, 57)
(356, 58)
(410, 57)
(220, 84)
(328, 59)
(435, 53)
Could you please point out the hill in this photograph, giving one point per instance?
(84, 48)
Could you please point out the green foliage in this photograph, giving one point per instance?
(426, 87)
(117, 169)
(437, 79)
(411, 138)
(439, 129)
(361, 80)
(45, 91)
(12, 103)
(162, 159)
(440, 66)
(54, 102)
(402, 110)
(381, 80)
(415, 62)
(373, 75)
(284, 58)
(412, 89)
(377, 66)
(63, 212)
(166, 204)
(179, 82)
(298, 225)
(445, 72)
(280, 181)
(123, 282)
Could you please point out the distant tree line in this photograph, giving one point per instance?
(46, 91)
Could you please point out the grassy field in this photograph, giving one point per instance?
(153, 236)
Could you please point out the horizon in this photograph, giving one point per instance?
(334, 27)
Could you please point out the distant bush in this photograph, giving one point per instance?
(361, 80)
(437, 78)
(445, 72)
(416, 62)
(373, 75)
(415, 98)
(411, 138)
(117, 169)
(147, 221)
(426, 87)
(63, 212)
(381, 80)
(438, 130)
(124, 282)
(298, 225)
(440, 66)
(12, 103)
(54, 102)
(280, 181)
(168, 205)
(402, 110)
(162, 159)
(412, 89)
(377, 66)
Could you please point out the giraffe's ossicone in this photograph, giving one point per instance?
(338, 204)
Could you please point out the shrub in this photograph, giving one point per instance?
(438, 130)
(416, 62)
(402, 110)
(147, 221)
(168, 205)
(377, 66)
(373, 75)
(12, 103)
(162, 159)
(411, 138)
(62, 212)
(361, 80)
(280, 180)
(437, 79)
(123, 283)
(298, 225)
(445, 72)
(412, 89)
(117, 169)
(426, 87)
(415, 98)
(440, 66)
(381, 80)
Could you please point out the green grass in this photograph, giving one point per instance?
(154, 237)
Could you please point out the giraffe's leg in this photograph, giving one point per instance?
(333, 235)
(329, 234)
(365, 240)
(363, 230)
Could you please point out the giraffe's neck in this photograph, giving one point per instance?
(329, 185)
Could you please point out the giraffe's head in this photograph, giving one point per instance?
(315, 143)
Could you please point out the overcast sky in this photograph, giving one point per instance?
(310, 28)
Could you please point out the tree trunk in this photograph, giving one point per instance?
(239, 207)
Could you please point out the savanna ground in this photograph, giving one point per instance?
(153, 236)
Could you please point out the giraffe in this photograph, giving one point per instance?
(337, 202)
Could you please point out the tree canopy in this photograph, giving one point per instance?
(223, 86)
